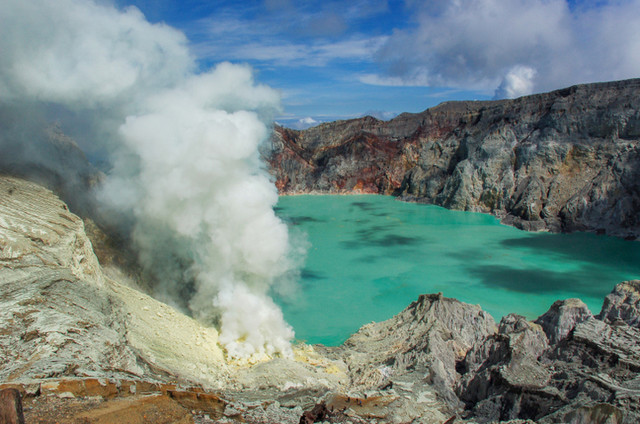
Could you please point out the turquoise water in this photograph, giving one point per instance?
(370, 256)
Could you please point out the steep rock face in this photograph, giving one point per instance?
(598, 366)
(563, 161)
(46, 260)
(497, 371)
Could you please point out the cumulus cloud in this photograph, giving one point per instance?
(303, 123)
(184, 150)
(485, 44)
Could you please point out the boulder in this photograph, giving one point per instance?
(503, 377)
(416, 351)
(562, 318)
(623, 304)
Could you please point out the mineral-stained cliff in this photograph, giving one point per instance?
(562, 161)
(80, 346)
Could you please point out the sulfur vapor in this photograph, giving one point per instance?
(182, 148)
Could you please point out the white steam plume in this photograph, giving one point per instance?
(185, 160)
(518, 82)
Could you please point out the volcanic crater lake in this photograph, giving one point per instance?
(370, 256)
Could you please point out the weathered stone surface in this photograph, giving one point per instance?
(590, 372)
(414, 354)
(561, 161)
(11, 406)
(562, 318)
(602, 413)
(597, 365)
(319, 413)
(502, 376)
(55, 312)
(139, 409)
(623, 304)
(92, 400)
(61, 316)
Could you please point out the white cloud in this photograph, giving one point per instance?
(389, 81)
(482, 44)
(304, 123)
(383, 115)
(288, 34)
(308, 121)
(297, 123)
(282, 51)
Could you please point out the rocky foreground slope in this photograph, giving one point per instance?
(80, 346)
(561, 161)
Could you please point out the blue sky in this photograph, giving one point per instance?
(336, 59)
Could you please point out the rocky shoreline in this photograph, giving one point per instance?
(560, 161)
(80, 346)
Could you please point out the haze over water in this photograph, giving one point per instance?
(370, 256)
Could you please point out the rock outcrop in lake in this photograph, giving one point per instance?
(561, 161)
(80, 346)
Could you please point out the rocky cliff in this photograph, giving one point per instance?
(561, 161)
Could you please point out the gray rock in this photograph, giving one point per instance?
(418, 347)
(503, 375)
(60, 316)
(623, 304)
(562, 318)
(602, 413)
(589, 372)
(597, 365)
